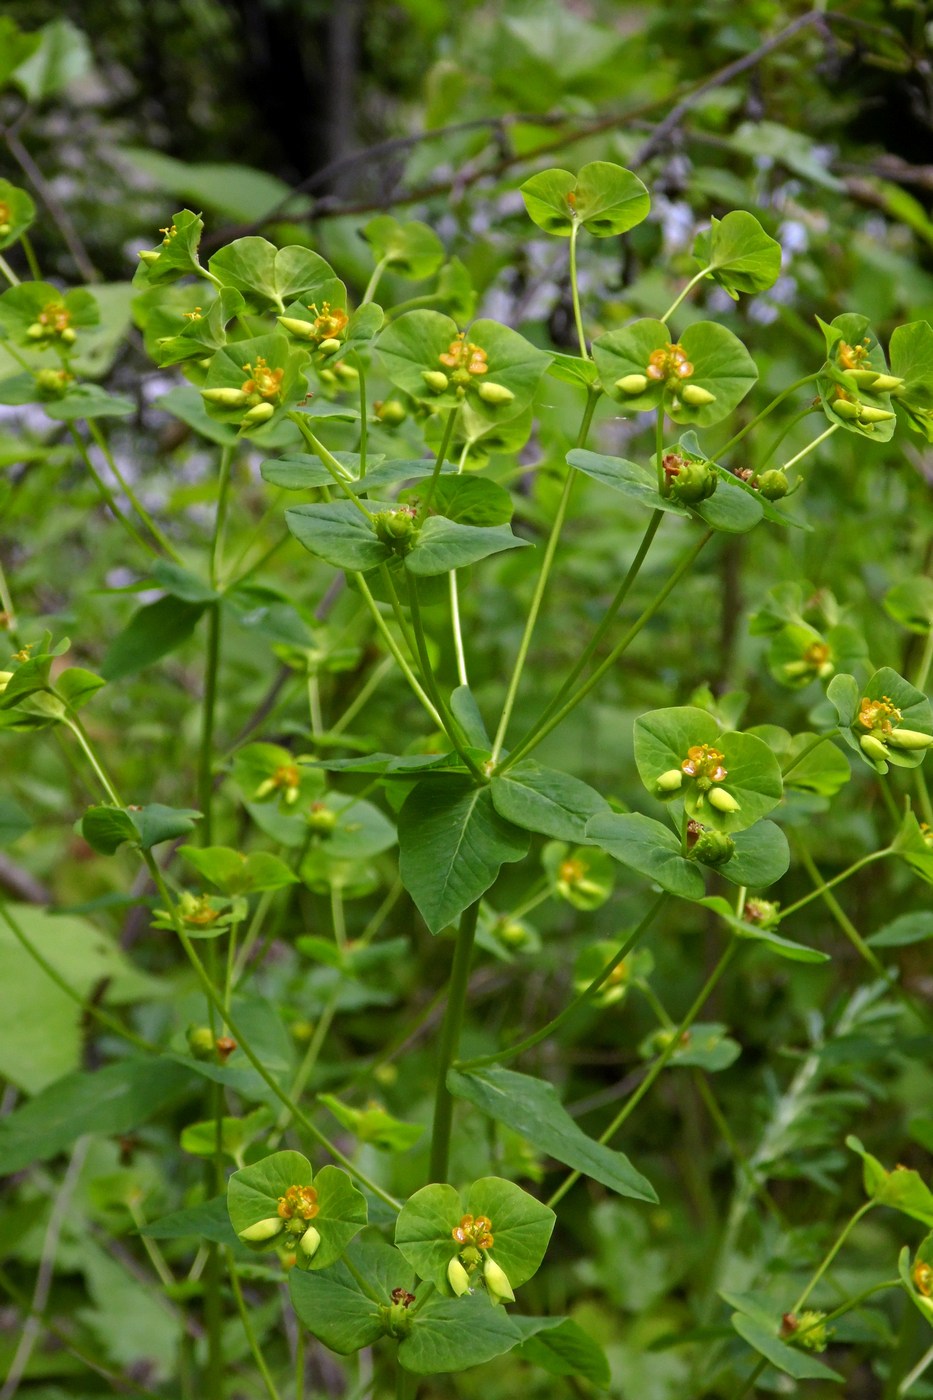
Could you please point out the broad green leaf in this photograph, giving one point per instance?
(452, 844)
(915, 927)
(520, 1226)
(88, 401)
(186, 404)
(442, 545)
(105, 829)
(705, 1046)
(153, 632)
(413, 250)
(802, 1365)
(605, 198)
(374, 1125)
(911, 604)
(468, 500)
(62, 56)
(566, 1350)
(254, 1192)
(762, 856)
(467, 713)
(546, 800)
(334, 1308)
(237, 192)
(235, 873)
(338, 533)
(451, 1334)
(114, 1100)
(719, 365)
(783, 947)
(738, 254)
(209, 1220)
(911, 351)
(17, 211)
(176, 256)
(15, 46)
(269, 277)
(531, 1107)
(901, 1189)
(648, 847)
(200, 1139)
(76, 686)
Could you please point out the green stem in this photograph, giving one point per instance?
(130, 494)
(575, 292)
(35, 271)
(609, 617)
(542, 730)
(438, 465)
(364, 415)
(8, 273)
(541, 585)
(762, 461)
(810, 447)
(456, 629)
(923, 796)
(922, 1365)
(807, 750)
(328, 460)
(685, 293)
(926, 661)
(236, 1031)
(775, 402)
(306, 1068)
(371, 685)
(208, 705)
(846, 1231)
(657, 1065)
(374, 280)
(836, 880)
(448, 722)
(510, 1051)
(396, 651)
(664, 486)
(449, 1044)
(77, 729)
(749, 1383)
(220, 515)
(248, 1331)
(108, 496)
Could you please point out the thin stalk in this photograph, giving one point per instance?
(300, 1364)
(8, 273)
(374, 280)
(396, 651)
(807, 750)
(575, 291)
(438, 465)
(220, 515)
(541, 585)
(87, 1007)
(456, 629)
(540, 731)
(448, 722)
(356, 704)
(449, 1044)
(129, 493)
(108, 496)
(328, 460)
(156, 1257)
(762, 461)
(208, 706)
(6, 603)
(248, 1331)
(609, 617)
(364, 416)
(830, 1256)
(658, 1065)
(922, 1365)
(836, 880)
(35, 271)
(775, 402)
(923, 796)
(926, 661)
(510, 1051)
(664, 486)
(810, 447)
(749, 1383)
(77, 729)
(685, 293)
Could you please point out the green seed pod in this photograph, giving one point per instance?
(845, 408)
(495, 394)
(887, 384)
(347, 373)
(457, 1277)
(327, 378)
(435, 379)
(723, 801)
(632, 384)
(53, 383)
(262, 1231)
(329, 346)
(866, 378)
(303, 329)
(874, 748)
(148, 256)
(310, 1242)
(694, 482)
(497, 1282)
(260, 413)
(321, 819)
(391, 412)
(669, 782)
(5, 229)
(396, 528)
(713, 848)
(225, 398)
(909, 739)
(868, 414)
(36, 331)
(772, 485)
(696, 396)
(69, 335)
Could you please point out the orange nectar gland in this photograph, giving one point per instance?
(54, 319)
(464, 358)
(6, 218)
(474, 1230)
(265, 382)
(285, 779)
(922, 1275)
(297, 1207)
(878, 716)
(669, 364)
(852, 356)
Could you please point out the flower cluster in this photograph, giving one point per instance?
(474, 1235)
(881, 720)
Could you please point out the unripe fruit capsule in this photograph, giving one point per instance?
(495, 394)
(225, 398)
(772, 485)
(457, 1277)
(723, 801)
(148, 256)
(845, 408)
(310, 1242)
(910, 739)
(696, 396)
(329, 346)
(632, 384)
(497, 1282)
(261, 413)
(868, 414)
(303, 329)
(262, 1231)
(435, 379)
(669, 781)
(874, 748)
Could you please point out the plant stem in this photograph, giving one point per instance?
(575, 292)
(846, 1231)
(328, 460)
(35, 271)
(248, 1331)
(837, 880)
(541, 585)
(438, 465)
(807, 750)
(775, 402)
(77, 729)
(396, 651)
(108, 496)
(206, 749)
(8, 273)
(450, 1043)
(456, 629)
(510, 1051)
(926, 661)
(810, 447)
(129, 493)
(372, 683)
(922, 1365)
(659, 1064)
(685, 293)
(364, 417)
(542, 730)
(374, 280)
(220, 515)
(448, 722)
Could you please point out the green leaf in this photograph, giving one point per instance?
(546, 800)
(152, 632)
(88, 401)
(531, 1107)
(442, 545)
(467, 713)
(468, 500)
(105, 829)
(783, 947)
(200, 1139)
(334, 1308)
(720, 365)
(114, 1100)
(76, 686)
(237, 192)
(413, 250)
(234, 873)
(650, 848)
(17, 211)
(901, 1189)
(177, 253)
(63, 55)
(605, 198)
(911, 604)
(738, 254)
(374, 1125)
(451, 1334)
(911, 351)
(209, 1220)
(452, 843)
(186, 404)
(269, 277)
(761, 857)
(566, 1350)
(338, 533)
(793, 1362)
(14, 822)
(15, 47)
(705, 1046)
(903, 931)
(253, 1194)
